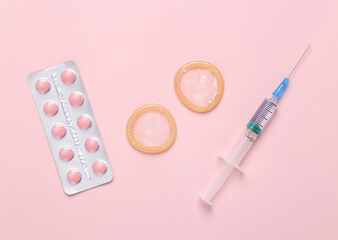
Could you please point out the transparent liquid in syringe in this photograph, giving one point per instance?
(264, 113)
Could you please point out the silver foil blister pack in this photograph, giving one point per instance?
(70, 127)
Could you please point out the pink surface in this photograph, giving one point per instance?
(151, 129)
(128, 53)
(199, 86)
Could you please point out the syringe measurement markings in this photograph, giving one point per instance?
(262, 114)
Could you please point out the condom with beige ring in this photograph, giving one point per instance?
(151, 129)
(199, 86)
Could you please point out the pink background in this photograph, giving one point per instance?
(128, 53)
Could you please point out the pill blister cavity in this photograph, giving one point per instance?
(71, 130)
(151, 129)
(92, 144)
(50, 108)
(42, 85)
(68, 76)
(58, 130)
(76, 99)
(84, 122)
(199, 86)
(74, 176)
(99, 167)
(66, 153)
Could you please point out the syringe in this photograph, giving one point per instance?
(253, 128)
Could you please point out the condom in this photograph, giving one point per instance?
(199, 86)
(151, 129)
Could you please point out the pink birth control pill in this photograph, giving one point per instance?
(58, 130)
(68, 76)
(70, 127)
(42, 85)
(99, 167)
(74, 176)
(50, 108)
(91, 145)
(76, 99)
(84, 122)
(66, 153)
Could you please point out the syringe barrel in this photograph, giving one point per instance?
(241, 147)
(232, 161)
(262, 115)
(235, 156)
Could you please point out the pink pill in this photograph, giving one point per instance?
(50, 108)
(68, 76)
(99, 167)
(58, 130)
(84, 122)
(76, 99)
(91, 145)
(42, 85)
(74, 176)
(66, 153)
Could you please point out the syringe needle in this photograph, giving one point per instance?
(299, 60)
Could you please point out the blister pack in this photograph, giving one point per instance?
(70, 127)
